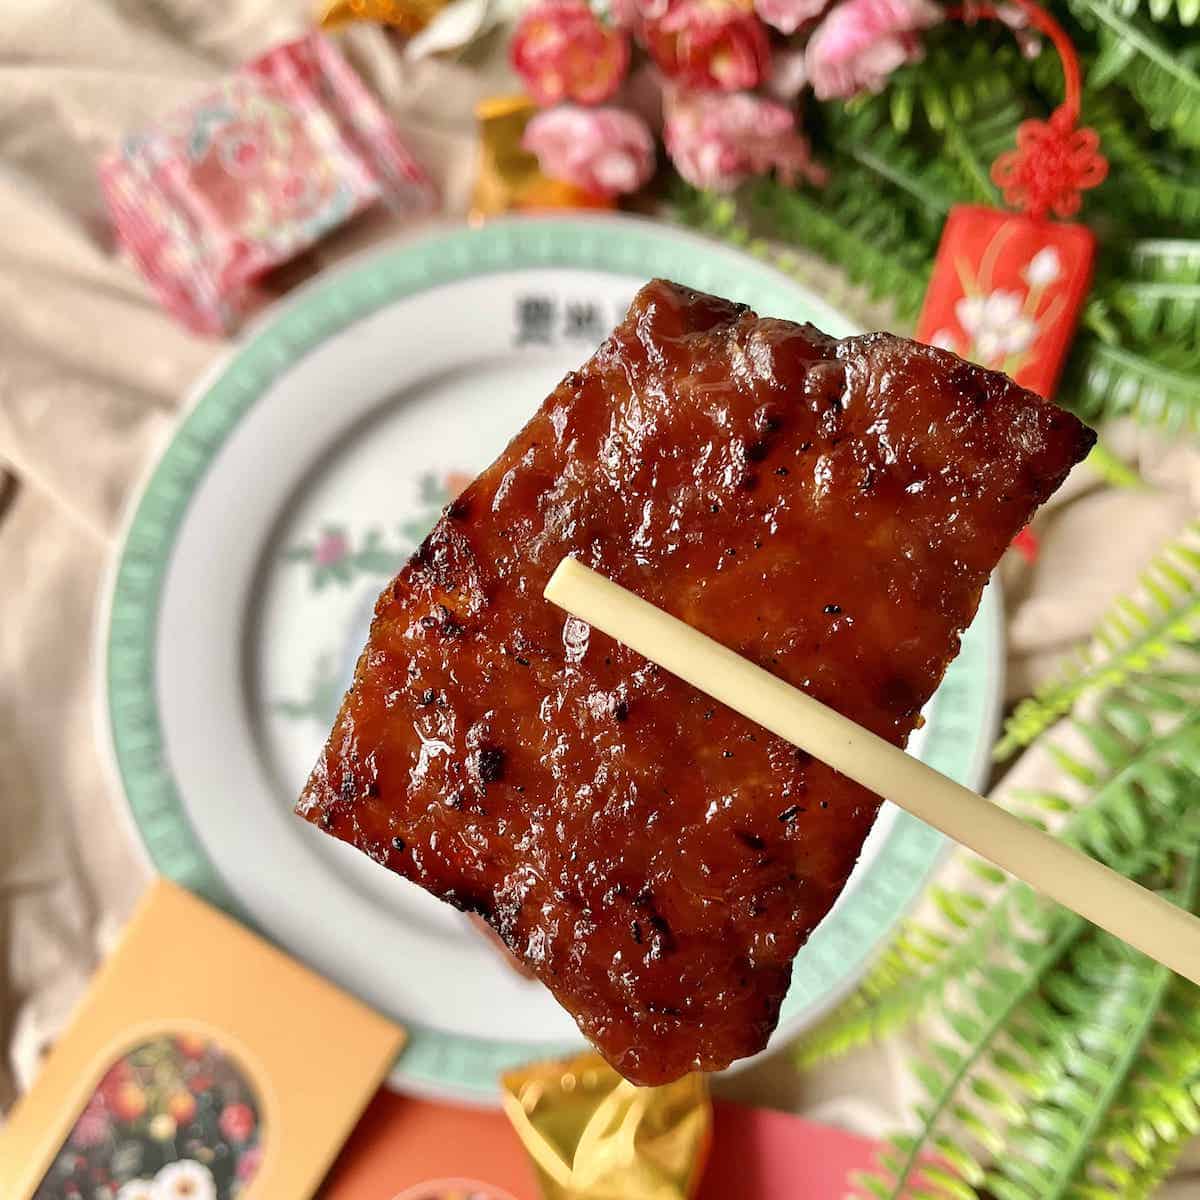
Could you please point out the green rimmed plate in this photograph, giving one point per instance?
(310, 463)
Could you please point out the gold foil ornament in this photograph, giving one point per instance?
(595, 1136)
(409, 16)
(509, 177)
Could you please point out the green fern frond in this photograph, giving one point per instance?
(1139, 187)
(1153, 311)
(1157, 76)
(851, 225)
(1140, 183)
(1158, 1107)
(1159, 387)
(952, 1089)
(1165, 260)
(1156, 293)
(862, 130)
(1186, 12)
(1040, 1065)
(1138, 631)
(1137, 770)
(955, 84)
(1111, 469)
(968, 98)
(718, 215)
(1103, 1010)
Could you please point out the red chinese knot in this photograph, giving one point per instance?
(1052, 164)
(1007, 287)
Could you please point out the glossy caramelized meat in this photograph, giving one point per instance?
(831, 509)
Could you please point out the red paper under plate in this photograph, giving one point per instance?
(757, 1154)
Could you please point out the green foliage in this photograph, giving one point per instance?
(1067, 1066)
(1157, 294)
(981, 934)
(1139, 57)
(1137, 632)
(856, 227)
(1060, 1046)
(899, 160)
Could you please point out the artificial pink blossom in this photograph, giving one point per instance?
(788, 15)
(563, 52)
(789, 75)
(708, 45)
(628, 14)
(861, 42)
(716, 142)
(603, 150)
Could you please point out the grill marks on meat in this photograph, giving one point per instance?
(831, 509)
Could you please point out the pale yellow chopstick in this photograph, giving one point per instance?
(1146, 921)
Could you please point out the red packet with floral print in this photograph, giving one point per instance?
(1006, 292)
(251, 174)
(1007, 287)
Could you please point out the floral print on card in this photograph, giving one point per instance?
(1006, 292)
(173, 1118)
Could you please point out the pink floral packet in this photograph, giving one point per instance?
(251, 174)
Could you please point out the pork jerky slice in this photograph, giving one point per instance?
(830, 509)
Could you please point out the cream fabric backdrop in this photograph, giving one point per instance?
(91, 375)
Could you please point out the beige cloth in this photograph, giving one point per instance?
(91, 373)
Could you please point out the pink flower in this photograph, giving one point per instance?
(562, 52)
(237, 1122)
(604, 150)
(92, 1127)
(330, 549)
(716, 142)
(861, 42)
(627, 14)
(248, 1164)
(789, 75)
(788, 15)
(708, 45)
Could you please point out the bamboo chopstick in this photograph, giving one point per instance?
(1138, 916)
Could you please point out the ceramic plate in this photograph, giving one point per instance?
(310, 463)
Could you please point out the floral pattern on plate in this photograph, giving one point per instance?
(337, 555)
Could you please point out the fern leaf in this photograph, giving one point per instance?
(1111, 469)
(1168, 605)
(1134, 1145)
(1158, 297)
(944, 1090)
(1159, 387)
(1158, 77)
(1165, 260)
(1113, 1009)
(1186, 12)
(1080, 1018)
(863, 131)
(852, 227)
(922, 963)
(1169, 311)
(1140, 183)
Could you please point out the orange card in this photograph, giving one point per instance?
(202, 1062)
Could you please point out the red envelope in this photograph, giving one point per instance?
(1006, 291)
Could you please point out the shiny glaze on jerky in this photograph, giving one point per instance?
(831, 509)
